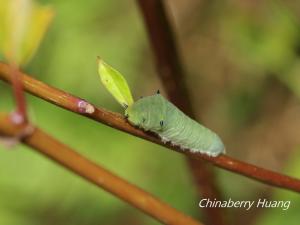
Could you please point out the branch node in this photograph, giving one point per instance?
(17, 118)
(11, 142)
(85, 107)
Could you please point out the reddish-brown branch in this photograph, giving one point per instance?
(171, 73)
(71, 103)
(21, 111)
(164, 48)
(65, 156)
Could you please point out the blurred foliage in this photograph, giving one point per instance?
(266, 41)
(22, 27)
(242, 59)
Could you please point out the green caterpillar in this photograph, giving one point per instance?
(155, 113)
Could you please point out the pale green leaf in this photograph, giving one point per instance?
(115, 83)
(40, 20)
(22, 27)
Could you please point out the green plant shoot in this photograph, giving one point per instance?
(115, 83)
(155, 113)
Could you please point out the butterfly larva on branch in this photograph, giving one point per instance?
(155, 113)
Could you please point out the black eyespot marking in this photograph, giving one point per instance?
(144, 119)
(158, 92)
(125, 105)
(161, 123)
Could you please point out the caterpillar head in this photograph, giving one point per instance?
(147, 113)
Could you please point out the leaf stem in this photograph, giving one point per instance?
(20, 115)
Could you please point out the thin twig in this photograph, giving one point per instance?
(170, 71)
(67, 157)
(21, 112)
(71, 103)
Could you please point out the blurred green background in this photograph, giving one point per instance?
(242, 60)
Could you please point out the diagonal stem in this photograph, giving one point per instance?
(20, 114)
(67, 157)
(171, 73)
(72, 103)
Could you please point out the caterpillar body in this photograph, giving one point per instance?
(155, 113)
